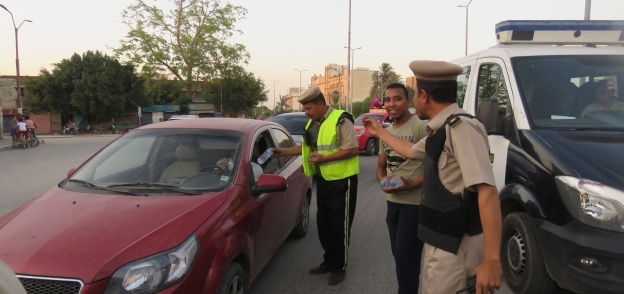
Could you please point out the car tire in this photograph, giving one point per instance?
(372, 147)
(521, 257)
(234, 281)
(304, 220)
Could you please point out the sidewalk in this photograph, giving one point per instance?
(5, 143)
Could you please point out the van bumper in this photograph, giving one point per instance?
(565, 246)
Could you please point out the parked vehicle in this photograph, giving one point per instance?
(70, 130)
(543, 94)
(152, 212)
(183, 116)
(368, 142)
(294, 122)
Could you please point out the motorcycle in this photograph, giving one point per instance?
(70, 130)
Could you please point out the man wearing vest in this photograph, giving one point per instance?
(330, 155)
(460, 217)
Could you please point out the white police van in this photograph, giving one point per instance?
(551, 95)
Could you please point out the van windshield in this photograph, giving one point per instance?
(573, 92)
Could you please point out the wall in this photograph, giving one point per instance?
(44, 125)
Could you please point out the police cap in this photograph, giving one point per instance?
(310, 95)
(435, 71)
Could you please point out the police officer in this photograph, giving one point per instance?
(460, 218)
(330, 155)
(9, 284)
(403, 202)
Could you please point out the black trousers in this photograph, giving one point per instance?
(402, 220)
(336, 207)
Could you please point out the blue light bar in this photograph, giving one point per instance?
(560, 25)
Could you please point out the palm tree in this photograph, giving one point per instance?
(282, 104)
(384, 77)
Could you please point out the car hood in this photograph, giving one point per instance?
(89, 236)
(596, 156)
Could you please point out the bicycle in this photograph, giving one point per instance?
(33, 140)
(23, 140)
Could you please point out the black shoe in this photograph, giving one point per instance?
(321, 269)
(336, 277)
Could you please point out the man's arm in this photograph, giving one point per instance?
(292, 151)
(381, 171)
(317, 158)
(489, 273)
(399, 146)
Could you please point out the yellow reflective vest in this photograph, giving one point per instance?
(327, 144)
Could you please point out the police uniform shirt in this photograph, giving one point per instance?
(345, 134)
(411, 131)
(465, 160)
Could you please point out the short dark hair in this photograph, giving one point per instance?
(439, 92)
(319, 98)
(26, 116)
(398, 86)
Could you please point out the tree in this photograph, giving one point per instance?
(282, 104)
(362, 106)
(163, 92)
(382, 78)
(189, 42)
(410, 92)
(241, 91)
(93, 84)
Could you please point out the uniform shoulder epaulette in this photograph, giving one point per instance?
(454, 121)
(343, 116)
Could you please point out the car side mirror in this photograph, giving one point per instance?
(268, 183)
(71, 172)
(487, 112)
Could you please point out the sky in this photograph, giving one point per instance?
(284, 35)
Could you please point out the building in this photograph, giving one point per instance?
(292, 97)
(334, 80)
(411, 82)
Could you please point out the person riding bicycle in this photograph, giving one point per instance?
(22, 129)
(31, 125)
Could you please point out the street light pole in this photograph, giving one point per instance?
(587, 9)
(300, 71)
(347, 106)
(352, 67)
(274, 95)
(17, 67)
(466, 6)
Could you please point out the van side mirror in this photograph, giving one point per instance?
(71, 172)
(268, 183)
(487, 112)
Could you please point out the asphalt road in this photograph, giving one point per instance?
(26, 174)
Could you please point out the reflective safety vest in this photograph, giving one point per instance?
(327, 144)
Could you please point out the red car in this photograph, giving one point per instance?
(172, 207)
(367, 142)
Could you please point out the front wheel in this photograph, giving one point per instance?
(234, 281)
(304, 220)
(371, 146)
(521, 257)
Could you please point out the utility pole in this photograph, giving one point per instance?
(299, 83)
(347, 104)
(17, 66)
(352, 67)
(587, 9)
(274, 95)
(466, 6)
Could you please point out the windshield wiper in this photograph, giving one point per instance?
(96, 187)
(170, 188)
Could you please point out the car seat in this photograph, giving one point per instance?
(185, 166)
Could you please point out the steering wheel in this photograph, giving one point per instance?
(209, 168)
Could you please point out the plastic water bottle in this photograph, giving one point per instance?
(265, 156)
(395, 182)
(384, 183)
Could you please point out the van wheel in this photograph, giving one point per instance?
(304, 220)
(371, 146)
(521, 257)
(234, 281)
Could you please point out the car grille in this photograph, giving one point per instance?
(596, 139)
(42, 285)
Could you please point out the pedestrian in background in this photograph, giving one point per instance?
(403, 202)
(330, 154)
(460, 217)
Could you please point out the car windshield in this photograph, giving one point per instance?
(358, 120)
(157, 161)
(573, 92)
(294, 124)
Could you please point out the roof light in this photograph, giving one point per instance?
(560, 32)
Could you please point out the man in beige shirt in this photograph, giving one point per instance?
(9, 284)
(403, 202)
(458, 179)
(604, 99)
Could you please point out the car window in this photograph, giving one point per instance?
(263, 142)
(143, 160)
(283, 141)
(294, 124)
(462, 84)
(131, 155)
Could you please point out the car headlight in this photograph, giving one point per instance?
(593, 203)
(154, 273)
(359, 132)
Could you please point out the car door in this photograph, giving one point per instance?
(293, 173)
(270, 205)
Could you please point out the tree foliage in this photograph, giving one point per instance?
(164, 92)
(188, 42)
(362, 107)
(237, 90)
(281, 105)
(382, 78)
(93, 84)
